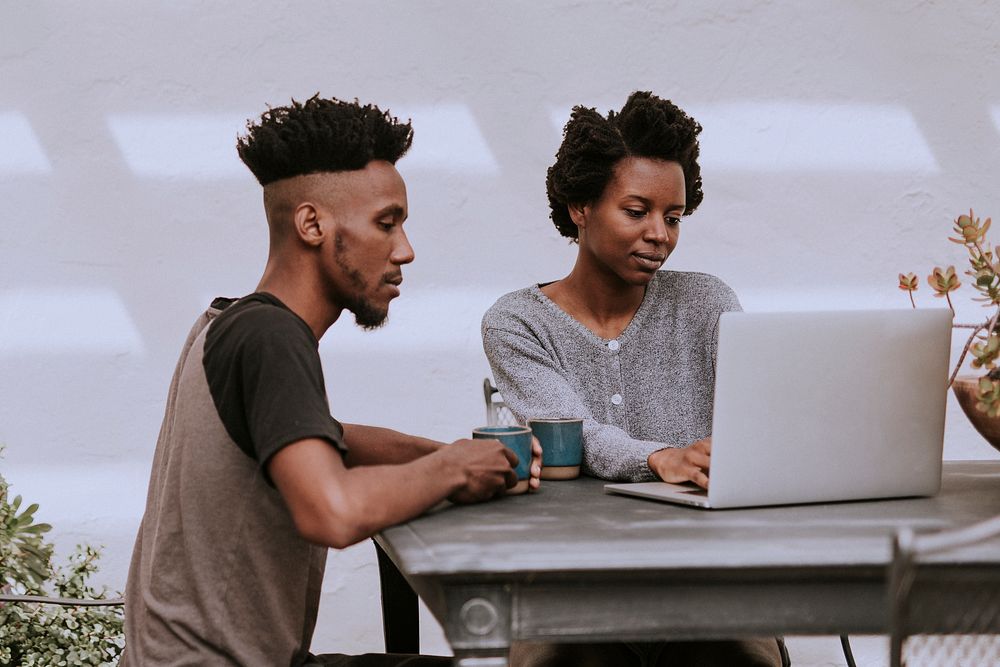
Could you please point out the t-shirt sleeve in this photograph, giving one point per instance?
(266, 379)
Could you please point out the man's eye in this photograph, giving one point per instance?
(673, 221)
(386, 226)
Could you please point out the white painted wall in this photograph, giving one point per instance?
(840, 139)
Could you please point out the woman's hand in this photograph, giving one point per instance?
(535, 469)
(683, 464)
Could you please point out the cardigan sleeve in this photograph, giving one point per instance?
(533, 386)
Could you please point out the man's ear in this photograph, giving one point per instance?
(578, 214)
(307, 222)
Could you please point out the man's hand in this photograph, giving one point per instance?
(487, 465)
(683, 464)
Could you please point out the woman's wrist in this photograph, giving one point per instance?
(656, 460)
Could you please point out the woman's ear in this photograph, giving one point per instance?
(578, 214)
(307, 224)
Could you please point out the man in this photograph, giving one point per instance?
(252, 478)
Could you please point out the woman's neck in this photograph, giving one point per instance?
(603, 304)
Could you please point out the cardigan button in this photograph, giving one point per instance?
(617, 399)
(614, 346)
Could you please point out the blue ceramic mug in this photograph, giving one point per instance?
(562, 446)
(518, 440)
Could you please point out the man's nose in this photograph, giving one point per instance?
(403, 252)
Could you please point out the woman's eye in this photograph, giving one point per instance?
(634, 212)
(673, 221)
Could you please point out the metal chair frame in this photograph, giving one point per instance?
(912, 579)
(62, 602)
(497, 412)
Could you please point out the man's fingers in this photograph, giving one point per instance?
(511, 457)
(700, 478)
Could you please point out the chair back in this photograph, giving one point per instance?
(944, 597)
(497, 412)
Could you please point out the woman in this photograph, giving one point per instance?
(618, 342)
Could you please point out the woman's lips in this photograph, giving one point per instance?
(649, 260)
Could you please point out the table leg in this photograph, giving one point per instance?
(400, 615)
(477, 624)
(473, 659)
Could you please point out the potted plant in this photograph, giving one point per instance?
(50, 614)
(978, 395)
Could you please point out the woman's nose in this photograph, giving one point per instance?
(656, 230)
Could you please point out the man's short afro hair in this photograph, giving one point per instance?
(647, 126)
(321, 135)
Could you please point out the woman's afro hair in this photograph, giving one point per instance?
(647, 126)
(321, 135)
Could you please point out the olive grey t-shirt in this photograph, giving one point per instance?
(219, 574)
(649, 388)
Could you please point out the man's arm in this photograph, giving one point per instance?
(337, 506)
(373, 445)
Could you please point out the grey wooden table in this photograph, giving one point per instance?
(571, 563)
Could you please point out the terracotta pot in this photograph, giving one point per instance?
(966, 387)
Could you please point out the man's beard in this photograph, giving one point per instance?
(367, 315)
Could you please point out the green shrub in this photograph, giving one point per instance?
(44, 634)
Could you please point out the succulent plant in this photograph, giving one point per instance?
(984, 270)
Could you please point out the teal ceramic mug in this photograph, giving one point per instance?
(518, 440)
(562, 446)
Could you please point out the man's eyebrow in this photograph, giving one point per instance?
(394, 210)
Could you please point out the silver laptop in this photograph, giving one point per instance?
(823, 406)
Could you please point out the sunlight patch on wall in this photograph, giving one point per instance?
(66, 320)
(20, 150)
(801, 136)
(995, 112)
(446, 137)
(789, 136)
(187, 145)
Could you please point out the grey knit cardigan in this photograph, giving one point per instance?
(649, 388)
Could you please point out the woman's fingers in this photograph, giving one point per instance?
(698, 455)
(699, 459)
